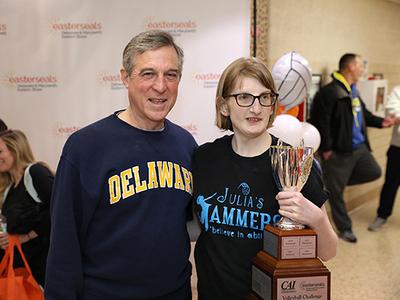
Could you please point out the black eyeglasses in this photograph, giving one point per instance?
(246, 100)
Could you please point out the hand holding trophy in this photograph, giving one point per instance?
(288, 266)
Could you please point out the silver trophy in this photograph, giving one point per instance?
(291, 167)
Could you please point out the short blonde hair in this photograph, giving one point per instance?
(251, 67)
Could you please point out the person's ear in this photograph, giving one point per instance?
(124, 77)
(224, 107)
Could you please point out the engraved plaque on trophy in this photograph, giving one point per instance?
(288, 267)
(274, 279)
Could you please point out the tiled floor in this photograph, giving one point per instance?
(369, 269)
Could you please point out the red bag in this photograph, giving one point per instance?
(17, 284)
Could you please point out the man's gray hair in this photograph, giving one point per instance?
(149, 40)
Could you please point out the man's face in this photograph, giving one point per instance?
(152, 87)
(357, 68)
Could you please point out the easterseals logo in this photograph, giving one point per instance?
(313, 286)
(76, 30)
(110, 81)
(3, 29)
(34, 83)
(66, 131)
(207, 80)
(175, 28)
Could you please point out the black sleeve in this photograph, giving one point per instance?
(64, 273)
(370, 119)
(314, 189)
(42, 179)
(321, 113)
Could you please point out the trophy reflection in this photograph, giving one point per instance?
(291, 167)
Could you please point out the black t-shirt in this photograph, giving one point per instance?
(234, 199)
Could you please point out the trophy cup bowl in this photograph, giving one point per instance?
(291, 167)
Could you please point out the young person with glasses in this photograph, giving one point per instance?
(234, 191)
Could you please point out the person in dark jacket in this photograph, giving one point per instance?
(25, 189)
(341, 118)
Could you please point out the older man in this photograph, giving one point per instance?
(123, 191)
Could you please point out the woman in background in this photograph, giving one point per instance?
(25, 186)
(234, 190)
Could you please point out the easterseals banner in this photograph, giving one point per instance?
(60, 61)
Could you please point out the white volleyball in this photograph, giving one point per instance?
(292, 76)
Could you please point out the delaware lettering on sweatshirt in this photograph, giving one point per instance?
(158, 174)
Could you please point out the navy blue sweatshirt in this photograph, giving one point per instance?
(119, 210)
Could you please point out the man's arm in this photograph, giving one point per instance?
(372, 120)
(64, 276)
(378, 122)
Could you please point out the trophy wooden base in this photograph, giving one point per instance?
(274, 279)
(288, 267)
(252, 296)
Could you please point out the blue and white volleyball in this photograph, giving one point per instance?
(292, 76)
